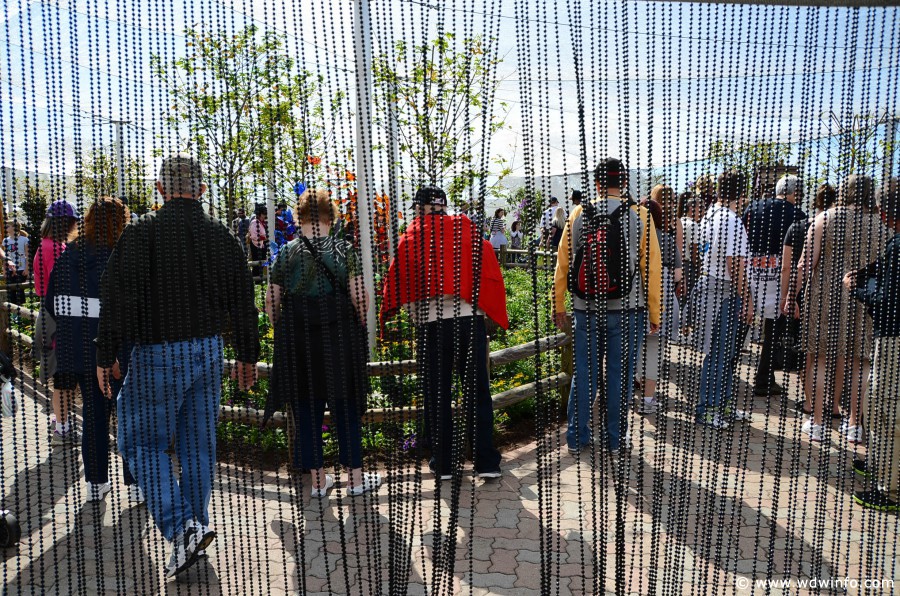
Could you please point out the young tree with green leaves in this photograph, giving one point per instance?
(33, 205)
(860, 151)
(248, 112)
(442, 109)
(100, 178)
(747, 157)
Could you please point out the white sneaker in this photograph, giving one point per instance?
(135, 494)
(815, 431)
(320, 493)
(67, 439)
(742, 415)
(490, 474)
(845, 424)
(187, 546)
(714, 420)
(371, 481)
(648, 407)
(96, 492)
(855, 434)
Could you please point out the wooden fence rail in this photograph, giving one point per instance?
(244, 415)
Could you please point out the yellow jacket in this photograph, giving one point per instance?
(649, 261)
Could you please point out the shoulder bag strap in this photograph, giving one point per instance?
(326, 270)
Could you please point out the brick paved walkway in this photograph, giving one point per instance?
(700, 515)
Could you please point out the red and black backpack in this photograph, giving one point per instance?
(600, 267)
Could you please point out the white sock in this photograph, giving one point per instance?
(62, 427)
(649, 400)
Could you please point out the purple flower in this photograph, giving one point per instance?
(409, 442)
(324, 428)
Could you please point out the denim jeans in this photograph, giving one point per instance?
(719, 365)
(459, 343)
(309, 415)
(172, 390)
(617, 335)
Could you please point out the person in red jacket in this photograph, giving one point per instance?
(448, 278)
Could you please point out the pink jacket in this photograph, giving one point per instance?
(44, 260)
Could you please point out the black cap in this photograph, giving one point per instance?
(554, 200)
(576, 197)
(610, 172)
(430, 195)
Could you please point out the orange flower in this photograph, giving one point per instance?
(351, 177)
(314, 159)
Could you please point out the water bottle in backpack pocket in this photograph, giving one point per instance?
(600, 267)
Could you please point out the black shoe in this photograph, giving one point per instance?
(439, 476)
(772, 389)
(877, 500)
(861, 467)
(801, 407)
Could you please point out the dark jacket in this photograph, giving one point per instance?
(177, 274)
(878, 286)
(73, 300)
(767, 222)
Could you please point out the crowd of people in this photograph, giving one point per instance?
(700, 269)
(140, 311)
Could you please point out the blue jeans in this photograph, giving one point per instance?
(620, 340)
(309, 415)
(717, 373)
(172, 390)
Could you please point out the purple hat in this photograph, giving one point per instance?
(61, 208)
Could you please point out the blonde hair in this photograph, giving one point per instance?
(316, 204)
(664, 196)
(559, 218)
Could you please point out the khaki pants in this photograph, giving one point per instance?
(884, 416)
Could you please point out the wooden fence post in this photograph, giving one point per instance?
(567, 357)
(503, 256)
(5, 340)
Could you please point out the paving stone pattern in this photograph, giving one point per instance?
(699, 512)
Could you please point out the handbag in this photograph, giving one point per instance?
(360, 351)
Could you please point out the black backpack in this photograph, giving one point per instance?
(600, 268)
(7, 370)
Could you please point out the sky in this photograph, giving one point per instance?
(652, 82)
